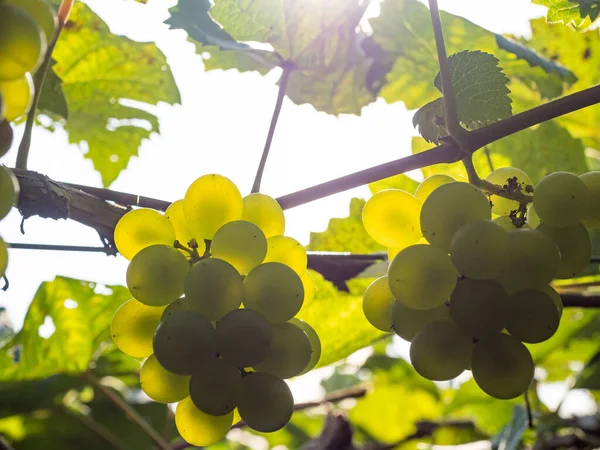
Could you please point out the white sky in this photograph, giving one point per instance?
(220, 128)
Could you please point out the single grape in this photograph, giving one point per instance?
(161, 385)
(479, 250)
(289, 354)
(216, 387)
(288, 251)
(422, 276)
(267, 403)
(555, 296)
(448, 208)
(430, 184)
(242, 244)
(392, 252)
(480, 307)
(141, 228)
(265, 212)
(309, 288)
(213, 288)
(274, 290)
(534, 316)
(184, 341)
(244, 337)
(315, 343)
(17, 95)
(41, 12)
(3, 257)
(156, 275)
(511, 179)
(507, 223)
(133, 326)
(182, 231)
(591, 216)
(9, 191)
(6, 133)
(391, 217)
(502, 366)
(181, 304)
(377, 304)
(198, 428)
(560, 199)
(22, 43)
(407, 322)
(440, 351)
(534, 261)
(575, 248)
(533, 220)
(209, 203)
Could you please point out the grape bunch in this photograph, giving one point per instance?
(190, 272)
(469, 278)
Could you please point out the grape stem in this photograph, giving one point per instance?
(40, 77)
(528, 409)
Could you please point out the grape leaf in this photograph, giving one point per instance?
(511, 434)
(52, 101)
(589, 378)
(108, 82)
(429, 121)
(570, 11)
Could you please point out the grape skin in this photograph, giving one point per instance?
(533, 220)
(575, 248)
(6, 134)
(17, 95)
(198, 428)
(265, 212)
(591, 216)
(242, 244)
(183, 233)
(9, 191)
(422, 276)
(502, 366)
(555, 296)
(132, 327)
(3, 257)
(161, 385)
(309, 288)
(41, 12)
(448, 208)
(288, 251)
(440, 351)
(142, 228)
(391, 218)
(216, 387)
(430, 184)
(503, 206)
(377, 304)
(560, 199)
(534, 316)
(258, 390)
(156, 275)
(407, 322)
(507, 223)
(479, 250)
(315, 343)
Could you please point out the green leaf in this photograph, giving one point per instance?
(570, 11)
(427, 120)
(52, 100)
(109, 83)
(79, 330)
(589, 378)
(511, 434)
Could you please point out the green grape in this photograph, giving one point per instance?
(430, 184)
(440, 351)
(244, 337)
(479, 250)
(377, 304)
(141, 228)
(242, 244)
(3, 257)
(309, 288)
(264, 212)
(274, 290)
(133, 326)
(22, 43)
(288, 251)
(184, 341)
(209, 203)
(213, 288)
(560, 199)
(555, 296)
(502, 366)
(591, 217)
(236, 416)
(156, 275)
(41, 12)
(391, 217)
(534, 316)
(422, 276)
(198, 428)
(315, 343)
(407, 322)
(216, 387)
(9, 191)
(533, 220)
(181, 304)
(574, 245)
(6, 133)
(519, 180)
(392, 252)
(182, 232)
(17, 95)
(267, 403)
(289, 354)
(161, 385)
(507, 223)
(448, 208)
(534, 261)
(480, 307)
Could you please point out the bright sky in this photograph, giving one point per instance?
(219, 128)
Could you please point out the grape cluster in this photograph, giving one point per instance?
(190, 272)
(469, 278)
